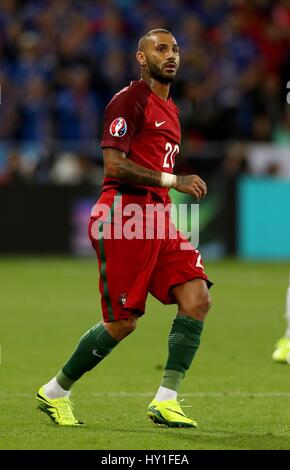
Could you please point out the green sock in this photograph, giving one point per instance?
(184, 339)
(96, 344)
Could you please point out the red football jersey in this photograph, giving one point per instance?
(147, 129)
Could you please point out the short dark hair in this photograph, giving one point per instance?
(147, 35)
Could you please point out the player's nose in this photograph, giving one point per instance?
(170, 55)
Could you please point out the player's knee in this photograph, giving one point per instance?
(128, 325)
(197, 307)
(121, 328)
(125, 327)
(205, 303)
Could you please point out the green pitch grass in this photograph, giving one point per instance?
(240, 398)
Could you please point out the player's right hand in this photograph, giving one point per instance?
(191, 184)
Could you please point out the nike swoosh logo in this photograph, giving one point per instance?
(158, 124)
(95, 353)
(173, 411)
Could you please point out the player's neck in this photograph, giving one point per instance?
(159, 89)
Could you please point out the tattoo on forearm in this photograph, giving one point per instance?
(132, 173)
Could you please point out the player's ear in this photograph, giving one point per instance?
(141, 58)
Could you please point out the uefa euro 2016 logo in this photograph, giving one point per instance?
(118, 127)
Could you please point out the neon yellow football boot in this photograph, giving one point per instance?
(58, 409)
(282, 351)
(169, 412)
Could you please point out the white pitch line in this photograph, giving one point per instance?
(197, 394)
(151, 394)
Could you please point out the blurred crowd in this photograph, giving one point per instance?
(62, 60)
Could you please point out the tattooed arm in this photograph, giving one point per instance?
(116, 165)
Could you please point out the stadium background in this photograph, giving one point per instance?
(60, 63)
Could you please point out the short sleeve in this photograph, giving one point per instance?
(122, 122)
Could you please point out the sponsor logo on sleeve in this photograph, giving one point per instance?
(118, 127)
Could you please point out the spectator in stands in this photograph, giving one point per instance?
(61, 61)
(76, 108)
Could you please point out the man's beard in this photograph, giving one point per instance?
(156, 73)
